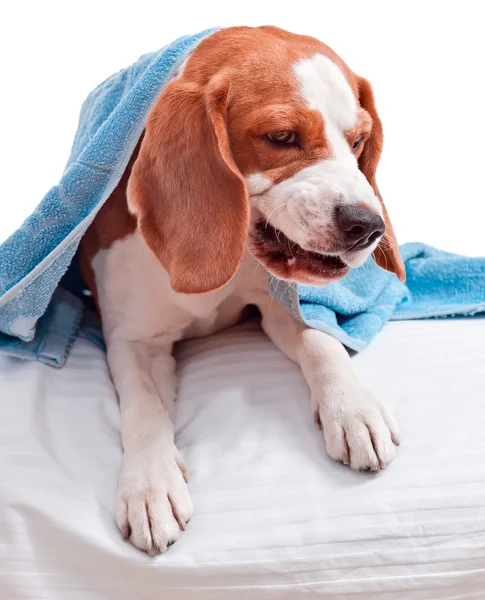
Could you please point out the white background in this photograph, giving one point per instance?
(425, 59)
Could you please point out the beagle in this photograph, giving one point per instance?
(260, 152)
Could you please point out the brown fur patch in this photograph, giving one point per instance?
(113, 222)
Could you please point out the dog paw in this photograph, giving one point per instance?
(358, 429)
(153, 504)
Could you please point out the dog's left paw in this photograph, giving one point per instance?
(358, 429)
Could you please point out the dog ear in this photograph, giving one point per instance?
(387, 253)
(186, 190)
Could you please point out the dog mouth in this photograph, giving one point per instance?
(288, 260)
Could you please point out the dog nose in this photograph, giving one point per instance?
(360, 227)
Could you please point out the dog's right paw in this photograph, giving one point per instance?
(153, 504)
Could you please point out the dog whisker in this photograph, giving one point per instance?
(275, 209)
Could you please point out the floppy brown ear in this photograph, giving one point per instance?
(387, 253)
(186, 191)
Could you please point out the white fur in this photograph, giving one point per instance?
(143, 317)
(257, 184)
(324, 87)
(302, 206)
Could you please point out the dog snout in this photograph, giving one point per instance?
(360, 228)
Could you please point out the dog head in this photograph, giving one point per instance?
(268, 139)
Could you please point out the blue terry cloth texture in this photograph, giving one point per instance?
(355, 309)
(39, 319)
(36, 256)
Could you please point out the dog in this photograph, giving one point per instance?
(260, 152)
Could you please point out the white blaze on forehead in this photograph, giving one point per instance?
(325, 88)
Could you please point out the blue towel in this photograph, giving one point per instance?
(39, 319)
(35, 257)
(355, 309)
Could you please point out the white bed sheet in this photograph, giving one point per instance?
(275, 517)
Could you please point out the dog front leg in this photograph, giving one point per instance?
(358, 429)
(153, 504)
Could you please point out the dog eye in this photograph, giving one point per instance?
(357, 142)
(283, 138)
